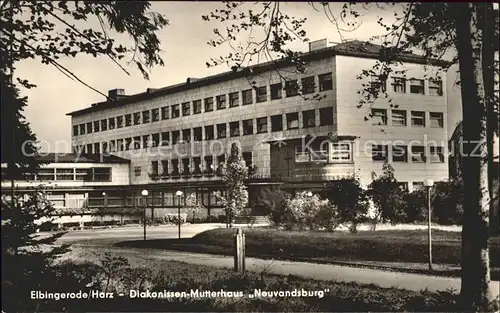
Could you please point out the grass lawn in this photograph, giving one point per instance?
(404, 250)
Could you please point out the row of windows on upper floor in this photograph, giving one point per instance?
(399, 118)
(291, 89)
(218, 131)
(415, 86)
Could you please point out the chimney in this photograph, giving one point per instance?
(317, 45)
(116, 94)
(190, 80)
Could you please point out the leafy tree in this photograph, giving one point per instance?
(416, 206)
(235, 199)
(447, 201)
(273, 203)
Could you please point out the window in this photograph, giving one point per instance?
(128, 120)
(112, 146)
(137, 142)
(209, 132)
(341, 152)
(176, 112)
(437, 154)
(97, 126)
(82, 174)
(403, 186)
(145, 141)
(119, 121)
(155, 140)
(308, 85)
(145, 117)
(418, 154)
(65, 174)
(399, 153)
(209, 104)
(276, 123)
(111, 123)
(248, 127)
(89, 127)
(221, 159)
(398, 84)
(326, 116)
(262, 125)
(128, 143)
(318, 151)
(97, 148)
(325, 82)
(186, 109)
(379, 117)
(45, 174)
(164, 166)
(292, 121)
(165, 138)
(137, 171)
(234, 100)
(221, 130)
(209, 162)
(185, 166)
(197, 134)
(196, 106)
(436, 119)
(164, 113)
(88, 148)
(154, 167)
(247, 157)
(176, 135)
(417, 86)
(308, 118)
(376, 83)
(398, 118)
(82, 129)
(276, 91)
(292, 88)
(247, 96)
(301, 154)
(221, 102)
(104, 125)
(155, 115)
(175, 167)
(186, 135)
(137, 118)
(197, 165)
(234, 129)
(435, 87)
(75, 130)
(379, 152)
(261, 94)
(417, 119)
(418, 185)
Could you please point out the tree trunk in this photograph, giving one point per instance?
(475, 292)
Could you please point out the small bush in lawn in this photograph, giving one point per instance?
(304, 211)
(272, 202)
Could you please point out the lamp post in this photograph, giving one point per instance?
(428, 183)
(104, 203)
(145, 195)
(179, 194)
(309, 194)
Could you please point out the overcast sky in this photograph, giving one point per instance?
(184, 43)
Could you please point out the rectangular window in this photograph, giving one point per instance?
(221, 102)
(221, 159)
(145, 117)
(155, 115)
(418, 185)
(186, 135)
(75, 130)
(105, 147)
(377, 84)
(209, 132)
(398, 84)
(398, 117)
(417, 154)
(154, 168)
(111, 123)
(112, 146)
(119, 121)
(261, 94)
(301, 154)
(88, 148)
(97, 148)
(247, 96)
(176, 111)
(164, 113)
(248, 127)
(128, 143)
(326, 116)
(417, 118)
(137, 118)
(65, 174)
(185, 166)
(209, 163)
(120, 145)
(399, 153)
(209, 104)
(436, 119)
(309, 118)
(341, 152)
(137, 171)
(128, 120)
(247, 157)
(164, 167)
(308, 85)
(262, 125)
(197, 165)
(276, 91)
(437, 154)
(175, 167)
(82, 129)
(137, 142)
(234, 129)
(292, 121)
(45, 174)
(435, 87)
(197, 134)
(292, 88)
(379, 117)
(277, 123)
(186, 109)
(97, 127)
(403, 186)
(101, 174)
(380, 153)
(318, 151)
(221, 131)
(196, 106)
(234, 99)
(155, 138)
(325, 82)
(82, 174)
(165, 139)
(176, 136)
(417, 86)
(89, 127)
(145, 141)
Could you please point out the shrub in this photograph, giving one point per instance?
(304, 211)
(447, 202)
(416, 206)
(272, 202)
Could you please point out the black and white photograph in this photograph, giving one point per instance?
(205, 156)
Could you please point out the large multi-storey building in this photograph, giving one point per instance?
(176, 137)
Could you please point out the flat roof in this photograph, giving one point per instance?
(80, 158)
(354, 48)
